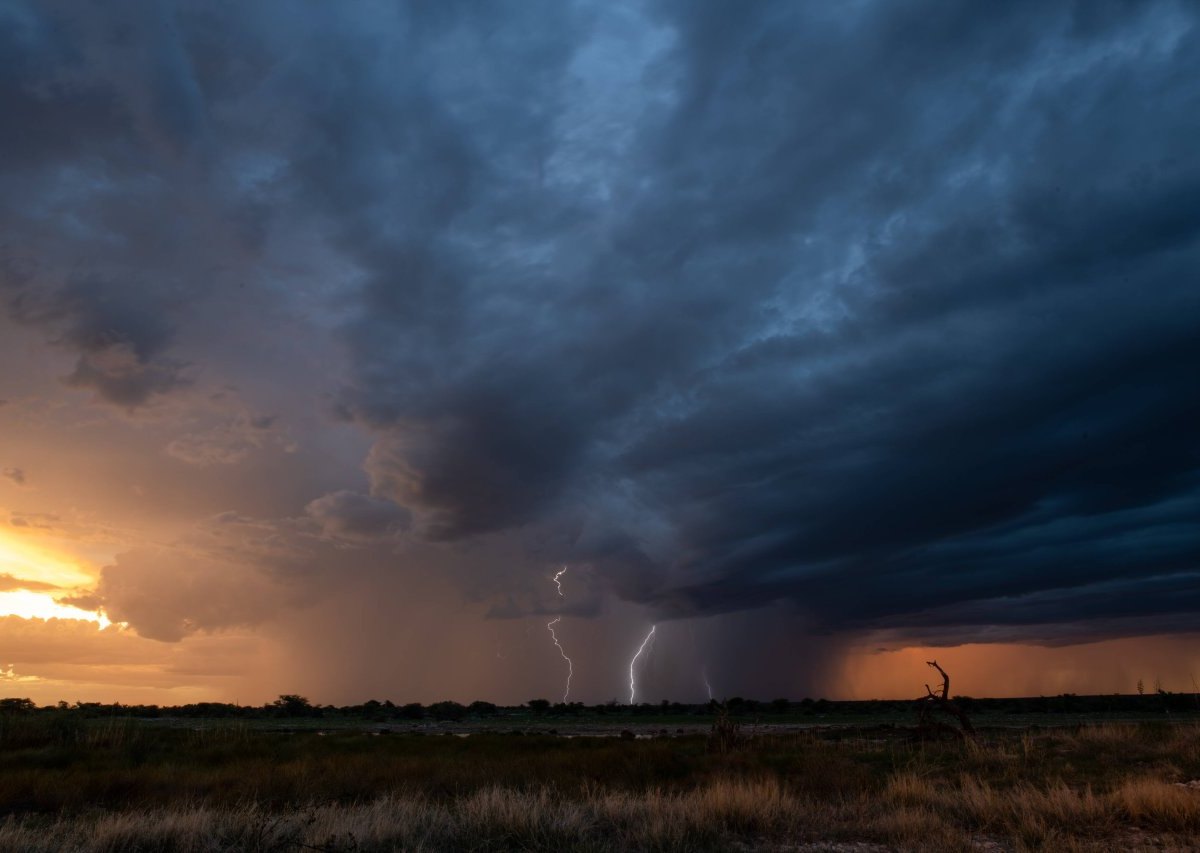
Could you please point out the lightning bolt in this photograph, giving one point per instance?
(554, 636)
(638, 654)
(707, 685)
(570, 666)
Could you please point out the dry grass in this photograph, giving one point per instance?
(1052, 815)
(1107, 788)
(913, 814)
(488, 819)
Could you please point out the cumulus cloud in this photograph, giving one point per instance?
(167, 594)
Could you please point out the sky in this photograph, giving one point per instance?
(823, 339)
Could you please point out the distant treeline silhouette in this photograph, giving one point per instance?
(296, 706)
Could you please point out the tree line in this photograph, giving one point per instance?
(296, 706)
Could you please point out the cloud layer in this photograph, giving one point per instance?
(882, 315)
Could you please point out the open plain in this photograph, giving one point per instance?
(521, 781)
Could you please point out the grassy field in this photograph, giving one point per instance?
(124, 785)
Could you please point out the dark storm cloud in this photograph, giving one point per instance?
(116, 215)
(120, 342)
(890, 312)
(351, 516)
(886, 312)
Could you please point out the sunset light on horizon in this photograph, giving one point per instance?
(33, 605)
(29, 561)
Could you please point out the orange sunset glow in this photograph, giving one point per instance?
(27, 561)
(32, 579)
(33, 605)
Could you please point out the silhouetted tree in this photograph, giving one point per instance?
(941, 702)
(447, 711)
(292, 705)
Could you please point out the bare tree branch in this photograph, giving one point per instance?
(945, 678)
(941, 702)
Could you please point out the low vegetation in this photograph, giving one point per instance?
(73, 783)
(295, 708)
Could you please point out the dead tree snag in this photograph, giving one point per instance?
(940, 702)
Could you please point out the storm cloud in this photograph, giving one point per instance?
(886, 316)
(352, 516)
(890, 314)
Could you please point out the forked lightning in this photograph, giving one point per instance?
(570, 666)
(632, 676)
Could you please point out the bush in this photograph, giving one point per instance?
(292, 705)
(447, 711)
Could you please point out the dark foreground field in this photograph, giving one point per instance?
(126, 785)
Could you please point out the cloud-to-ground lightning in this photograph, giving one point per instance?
(638, 654)
(554, 636)
(570, 666)
(707, 684)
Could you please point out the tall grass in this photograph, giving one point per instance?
(488, 819)
(913, 814)
(123, 787)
